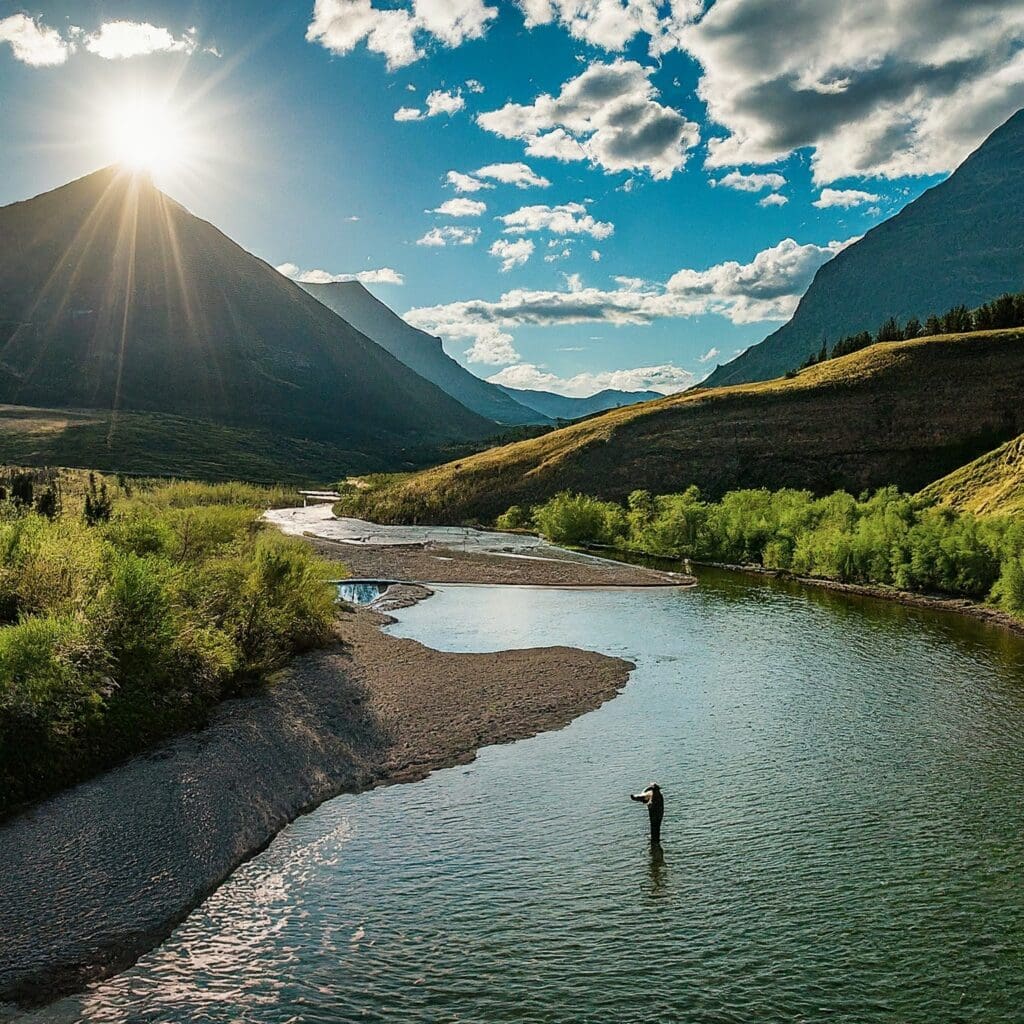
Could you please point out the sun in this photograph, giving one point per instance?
(147, 136)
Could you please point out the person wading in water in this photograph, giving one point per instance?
(655, 809)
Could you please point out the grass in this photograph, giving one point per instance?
(903, 412)
(989, 486)
(132, 609)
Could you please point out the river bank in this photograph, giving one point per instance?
(98, 874)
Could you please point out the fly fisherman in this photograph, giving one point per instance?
(655, 809)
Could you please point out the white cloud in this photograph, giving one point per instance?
(567, 219)
(609, 115)
(33, 43)
(449, 235)
(441, 102)
(611, 24)
(844, 197)
(438, 102)
(767, 288)
(461, 208)
(873, 87)
(773, 199)
(395, 32)
(465, 182)
(595, 255)
(512, 254)
(474, 86)
(751, 182)
(383, 275)
(121, 40)
(711, 353)
(668, 379)
(518, 174)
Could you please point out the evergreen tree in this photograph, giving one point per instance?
(913, 329)
(21, 489)
(48, 503)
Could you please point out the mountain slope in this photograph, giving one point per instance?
(116, 297)
(960, 242)
(559, 407)
(903, 413)
(419, 351)
(990, 485)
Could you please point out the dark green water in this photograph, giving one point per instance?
(844, 786)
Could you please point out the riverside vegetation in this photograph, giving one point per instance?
(129, 609)
(886, 538)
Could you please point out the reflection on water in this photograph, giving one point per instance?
(360, 592)
(844, 788)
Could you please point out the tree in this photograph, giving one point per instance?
(932, 326)
(913, 329)
(98, 504)
(21, 490)
(48, 502)
(889, 331)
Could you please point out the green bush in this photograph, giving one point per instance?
(117, 631)
(576, 520)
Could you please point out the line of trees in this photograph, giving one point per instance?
(131, 611)
(1004, 312)
(886, 538)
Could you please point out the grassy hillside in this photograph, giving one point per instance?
(990, 485)
(957, 243)
(904, 413)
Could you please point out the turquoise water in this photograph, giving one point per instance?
(844, 785)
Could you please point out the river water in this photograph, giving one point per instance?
(843, 841)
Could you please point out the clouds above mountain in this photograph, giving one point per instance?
(382, 275)
(609, 115)
(512, 254)
(767, 288)
(566, 219)
(668, 379)
(873, 87)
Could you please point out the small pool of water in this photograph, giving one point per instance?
(361, 592)
(843, 840)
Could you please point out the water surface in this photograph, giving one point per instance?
(844, 784)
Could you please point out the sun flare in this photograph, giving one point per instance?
(147, 136)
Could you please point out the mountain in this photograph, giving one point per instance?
(960, 242)
(903, 413)
(990, 485)
(420, 352)
(558, 407)
(115, 297)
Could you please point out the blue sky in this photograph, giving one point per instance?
(687, 166)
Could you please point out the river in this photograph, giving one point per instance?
(843, 840)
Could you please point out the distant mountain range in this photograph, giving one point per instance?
(420, 352)
(902, 413)
(115, 297)
(559, 407)
(960, 242)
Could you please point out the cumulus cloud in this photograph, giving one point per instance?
(844, 197)
(751, 182)
(465, 182)
(611, 24)
(767, 288)
(474, 86)
(773, 199)
(609, 115)
(668, 379)
(33, 43)
(518, 174)
(567, 219)
(460, 208)
(449, 235)
(712, 353)
(512, 254)
(397, 33)
(121, 40)
(874, 87)
(438, 102)
(383, 275)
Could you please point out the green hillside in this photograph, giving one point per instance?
(903, 413)
(958, 243)
(990, 485)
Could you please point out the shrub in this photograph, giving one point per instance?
(575, 519)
